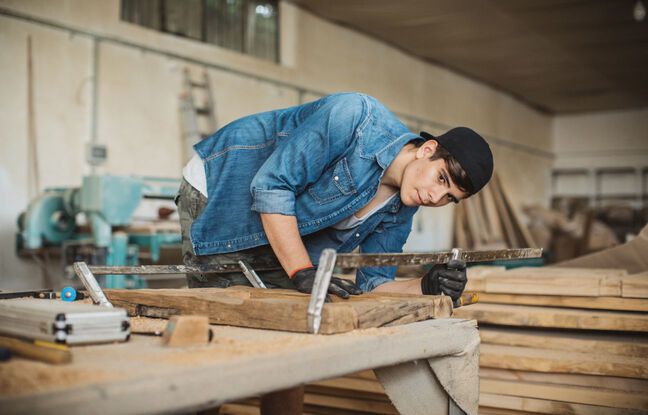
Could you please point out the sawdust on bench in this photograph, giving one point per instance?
(21, 376)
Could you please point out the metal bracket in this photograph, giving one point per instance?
(251, 275)
(320, 289)
(90, 282)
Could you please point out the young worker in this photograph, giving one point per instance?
(341, 172)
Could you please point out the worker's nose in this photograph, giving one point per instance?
(435, 197)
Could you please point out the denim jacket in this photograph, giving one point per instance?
(320, 162)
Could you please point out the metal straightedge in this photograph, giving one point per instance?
(441, 257)
(342, 261)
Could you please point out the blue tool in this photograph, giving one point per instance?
(68, 294)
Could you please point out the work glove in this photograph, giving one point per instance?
(305, 279)
(449, 279)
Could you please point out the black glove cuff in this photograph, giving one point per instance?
(303, 273)
(430, 282)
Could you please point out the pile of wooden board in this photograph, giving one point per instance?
(554, 341)
(561, 340)
(358, 393)
(490, 220)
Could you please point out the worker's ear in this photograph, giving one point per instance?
(427, 149)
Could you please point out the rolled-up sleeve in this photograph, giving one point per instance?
(387, 238)
(274, 201)
(306, 152)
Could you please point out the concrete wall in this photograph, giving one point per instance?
(596, 142)
(80, 44)
(610, 139)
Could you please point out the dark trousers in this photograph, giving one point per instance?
(190, 204)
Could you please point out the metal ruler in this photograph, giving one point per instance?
(342, 261)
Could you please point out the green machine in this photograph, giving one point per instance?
(55, 219)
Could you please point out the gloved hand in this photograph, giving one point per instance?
(305, 279)
(448, 279)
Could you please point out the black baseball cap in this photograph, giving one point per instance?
(471, 151)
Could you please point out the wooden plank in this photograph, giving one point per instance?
(373, 407)
(594, 303)
(635, 286)
(543, 406)
(473, 225)
(281, 309)
(560, 361)
(511, 207)
(556, 281)
(599, 344)
(530, 316)
(484, 410)
(507, 222)
(239, 409)
(349, 393)
(476, 276)
(591, 381)
(492, 216)
(566, 393)
(363, 385)
(460, 232)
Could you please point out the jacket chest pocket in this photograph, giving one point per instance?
(333, 184)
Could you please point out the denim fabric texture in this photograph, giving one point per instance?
(320, 162)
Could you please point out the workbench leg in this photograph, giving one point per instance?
(414, 389)
(283, 402)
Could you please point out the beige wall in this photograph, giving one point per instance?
(140, 76)
(615, 139)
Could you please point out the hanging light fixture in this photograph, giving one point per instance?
(639, 11)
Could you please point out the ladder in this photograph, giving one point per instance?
(198, 121)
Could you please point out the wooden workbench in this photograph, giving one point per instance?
(422, 364)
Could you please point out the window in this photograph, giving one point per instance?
(246, 26)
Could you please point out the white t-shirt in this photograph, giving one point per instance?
(194, 173)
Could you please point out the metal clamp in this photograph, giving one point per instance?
(90, 282)
(251, 275)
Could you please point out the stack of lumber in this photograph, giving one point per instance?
(561, 340)
(490, 220)
(554, 341)
(358, 393)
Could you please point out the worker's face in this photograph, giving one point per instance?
(427, 182)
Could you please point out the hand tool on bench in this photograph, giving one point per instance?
(90, 282)
(251, 275)
(328, 261)
(42, 351)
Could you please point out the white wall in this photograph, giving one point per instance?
(139, 78)
(599, 141)
(602, 139)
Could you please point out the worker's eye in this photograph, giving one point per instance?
(442, 179)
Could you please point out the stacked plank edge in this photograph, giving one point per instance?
(561, 340)
(554, 341)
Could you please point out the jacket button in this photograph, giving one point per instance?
(336, 178)
(357, 235)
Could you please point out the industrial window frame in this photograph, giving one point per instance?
(130, 11)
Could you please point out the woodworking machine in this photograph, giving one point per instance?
(53, 219)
